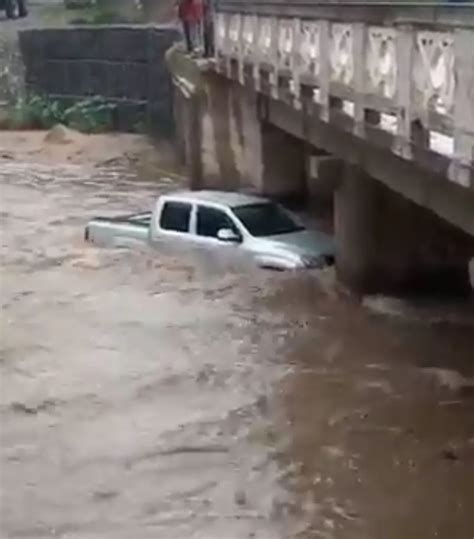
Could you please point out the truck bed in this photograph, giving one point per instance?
(119, 230)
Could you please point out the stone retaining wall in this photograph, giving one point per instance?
(11, 69)
(124, 64)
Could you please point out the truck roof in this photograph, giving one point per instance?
(224, 198)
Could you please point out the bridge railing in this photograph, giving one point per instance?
(399, 76)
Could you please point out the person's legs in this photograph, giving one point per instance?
(187, 36)
(208, 39)
(197, 36)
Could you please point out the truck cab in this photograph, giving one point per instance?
(247, 225)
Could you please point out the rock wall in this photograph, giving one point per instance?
(11, 68)
(123, 64)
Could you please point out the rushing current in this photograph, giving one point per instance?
(161, 395)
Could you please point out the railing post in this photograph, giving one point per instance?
(234, 41)
(256, 55)
(461, 170)
(360, 74)
(273, 75)
(405, 51)
(325, 70)
(296, 63)
(240, 50)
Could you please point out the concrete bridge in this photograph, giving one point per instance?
(370, 107)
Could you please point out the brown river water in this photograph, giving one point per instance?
(150, 395)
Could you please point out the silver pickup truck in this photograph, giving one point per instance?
(245, 225)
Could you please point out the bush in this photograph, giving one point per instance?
(103, 18)
(90, 116)
(104, 12)
(37, 112)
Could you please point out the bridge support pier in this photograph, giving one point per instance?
(226, 142)
(248, 152)
(283, 164)
(388, 244)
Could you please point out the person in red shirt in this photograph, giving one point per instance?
(190, 13)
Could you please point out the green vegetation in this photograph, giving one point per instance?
(99, 15)
(36, 112)
(108, 12)
(103, 12)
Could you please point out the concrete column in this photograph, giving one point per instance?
(387, 244)
(240, 149)
(284, 163)
(191, 114)
(324, 174)
(354, 224)
(219, 145)
(179, 135)
(248, 126)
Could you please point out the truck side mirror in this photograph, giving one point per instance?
(228, 235)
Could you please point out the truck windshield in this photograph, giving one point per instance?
(266, 219)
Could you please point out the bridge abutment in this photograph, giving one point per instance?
(283, 164)
(242, 150)
(388, 244)
(227, 144)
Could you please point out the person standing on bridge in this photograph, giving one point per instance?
(190, 15)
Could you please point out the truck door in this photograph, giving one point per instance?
(205, 233)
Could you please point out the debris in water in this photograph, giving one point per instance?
(23, 408)
(60, 134)
(449, 454)
(240, 497)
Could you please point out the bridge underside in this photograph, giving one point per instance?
(399, 228)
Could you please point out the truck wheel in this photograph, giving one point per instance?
(10, 9)
(22, 9)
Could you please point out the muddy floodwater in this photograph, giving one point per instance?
(151, 395)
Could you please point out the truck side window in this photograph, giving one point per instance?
(210, 221)
(175, 216)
